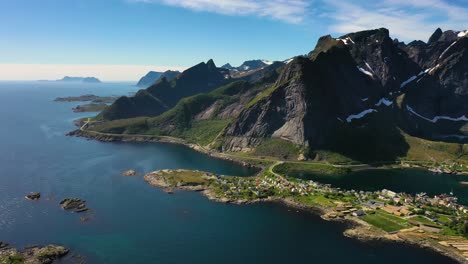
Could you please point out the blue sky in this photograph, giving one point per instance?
(180, 33)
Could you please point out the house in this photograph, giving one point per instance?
(359, 213)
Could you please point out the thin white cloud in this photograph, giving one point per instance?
(290, 11)
(57, 71)
(406, 19)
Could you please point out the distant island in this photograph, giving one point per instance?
(80, 79)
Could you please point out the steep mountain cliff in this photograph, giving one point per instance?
(362, 95)
(436, 101)
(353, 93)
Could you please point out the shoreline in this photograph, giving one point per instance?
(92, 135)
(127, 138)
(358, 229)
(355, 228)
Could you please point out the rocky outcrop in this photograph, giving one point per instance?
(75, 204)
(34, 254)
(33, 196)
(129, 173)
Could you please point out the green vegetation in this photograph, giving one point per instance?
(441, 152)
(301, 170)
(264, 94)
(16, 258)
(316, 200)
(422, 220)
(330, 157)
(384, 221)
(205, 131)
(279, 148)
(185, 177)
(91, 107)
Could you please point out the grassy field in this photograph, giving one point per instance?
(421, 149)
(314, 200)
(384, 221)
(422, 220)
(185, 177)
(300, 170)
(278, 148)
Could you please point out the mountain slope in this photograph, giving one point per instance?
(164, 94)
(151, 77)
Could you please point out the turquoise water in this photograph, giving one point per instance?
(133, 222)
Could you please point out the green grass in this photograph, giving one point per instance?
(315, 200)
(384, 222)
(262, 95)
(301, 170)
(278, 148)
(444, 218)
(185, 177)
(421, 149)
(205, 131)
(330, 157)
(422, 220)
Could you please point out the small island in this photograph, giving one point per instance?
(87, 98)
(438, 222)
(32, 254)
(80, 79)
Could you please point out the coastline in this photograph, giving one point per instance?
(128, 138)
(358, 229)
(355, 227)
(92, 135)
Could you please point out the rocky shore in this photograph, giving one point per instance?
(357, 228)
(32, 254)
(155, 139)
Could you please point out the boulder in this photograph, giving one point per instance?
(33, 196)
(74, 204)
(129, 173)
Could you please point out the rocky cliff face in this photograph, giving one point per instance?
(352, 86)
(436, 100)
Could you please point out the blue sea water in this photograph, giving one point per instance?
(132, 222)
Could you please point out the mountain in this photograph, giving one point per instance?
(79, 79)
(436, 99)
(247, 66)
(152, 76)
(227, 66)
(164, 94)
(363, 96)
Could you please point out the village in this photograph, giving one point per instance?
(385, 209)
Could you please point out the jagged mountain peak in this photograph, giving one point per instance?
(435, 36)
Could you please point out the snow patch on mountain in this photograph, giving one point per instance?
(447, 49)
(403, 84)
(360, 115)
(346, 41)
(437, 118)
(365, 72)
(384, 101)
(461, 34)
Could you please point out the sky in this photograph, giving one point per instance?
(120, 40)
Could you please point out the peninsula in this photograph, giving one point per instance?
(435, 222)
